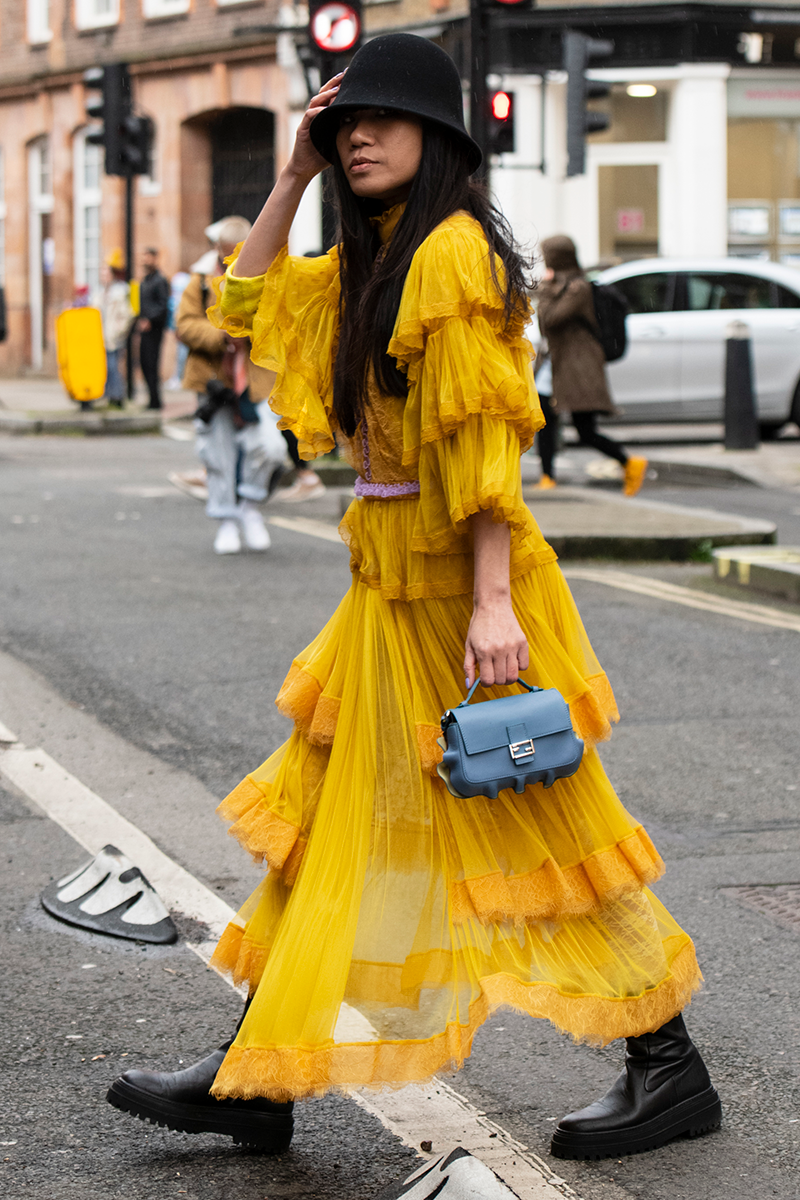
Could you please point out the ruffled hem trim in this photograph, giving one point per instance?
(510, 401)
(313, 711)
(554, 893)
(301, 396)
(259, 830)
(283, 1073)
(457, 585)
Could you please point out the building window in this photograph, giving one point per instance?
(88, 177)
(164, 8)
(39, 30)
(96, 14)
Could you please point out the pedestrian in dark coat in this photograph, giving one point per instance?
(154, 294)
(567, 319)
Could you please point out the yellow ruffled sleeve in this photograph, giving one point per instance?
(291, 315)
(472, 405)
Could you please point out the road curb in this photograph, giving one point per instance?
(685, 474)
(775, 571)
(87, 424)
(655, 549)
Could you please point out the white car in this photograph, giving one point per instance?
(674, 368)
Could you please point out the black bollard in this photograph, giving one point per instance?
(741, 424)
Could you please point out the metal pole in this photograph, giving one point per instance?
(741, 424)
(478, 117)
(129, 271)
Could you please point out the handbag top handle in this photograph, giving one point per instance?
(529, 686)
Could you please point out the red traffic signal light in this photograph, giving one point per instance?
(500, 134)
(335, 27)
(501, 106)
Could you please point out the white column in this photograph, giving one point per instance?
(698, 135)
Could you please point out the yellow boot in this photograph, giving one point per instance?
(635, 471)
(545, 483)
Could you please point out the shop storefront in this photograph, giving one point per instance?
(702, 154)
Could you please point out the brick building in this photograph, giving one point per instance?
(702, 155)
(225, 89)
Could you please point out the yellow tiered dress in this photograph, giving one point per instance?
(385, 893)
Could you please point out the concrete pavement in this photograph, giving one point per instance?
(41, 405)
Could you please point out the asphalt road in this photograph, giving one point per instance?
(147, 666)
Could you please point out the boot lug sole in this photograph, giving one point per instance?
(268, 1133)
(700, 1115)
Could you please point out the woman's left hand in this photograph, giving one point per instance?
(496, 648)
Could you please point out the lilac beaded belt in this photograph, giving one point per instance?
(380, 491)
(385, 491)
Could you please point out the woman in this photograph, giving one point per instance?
(118, 317)
(421, 912)
(566, 318)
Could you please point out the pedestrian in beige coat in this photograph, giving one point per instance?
(565, 311)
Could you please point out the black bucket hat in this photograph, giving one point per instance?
(403, 72)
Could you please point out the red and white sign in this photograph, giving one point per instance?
(630, 220)
(335, 27)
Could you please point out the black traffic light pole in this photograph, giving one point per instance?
(127, 140)
(129, 271)
(478, 96)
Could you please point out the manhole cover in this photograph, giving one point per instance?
(779, 901)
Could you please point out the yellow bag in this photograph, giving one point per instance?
(81, 353)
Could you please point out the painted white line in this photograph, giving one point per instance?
(433, 1112)
(309, 526)
(178, 433)
(7, 738)
(658, 589)
(436, 1113)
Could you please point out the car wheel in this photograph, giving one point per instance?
(769, 430)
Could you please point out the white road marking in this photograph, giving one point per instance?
(432, 1112)
(659, 589)
(6, 736)
(436, 1113)
(309, 526)
(178, 433)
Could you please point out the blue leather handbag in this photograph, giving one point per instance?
(509, 742)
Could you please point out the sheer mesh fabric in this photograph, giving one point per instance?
(421, 911)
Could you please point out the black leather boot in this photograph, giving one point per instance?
(664, 1091)
(180, 1100)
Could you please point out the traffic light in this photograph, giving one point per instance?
(579, 49)
(334, 26)
(127, 138)
(501, 123)
(137, 150)
(108, 110)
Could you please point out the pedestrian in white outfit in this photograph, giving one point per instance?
(237, 436)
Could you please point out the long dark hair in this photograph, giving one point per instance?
(371, 286)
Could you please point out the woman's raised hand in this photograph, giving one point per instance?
(305, 160)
